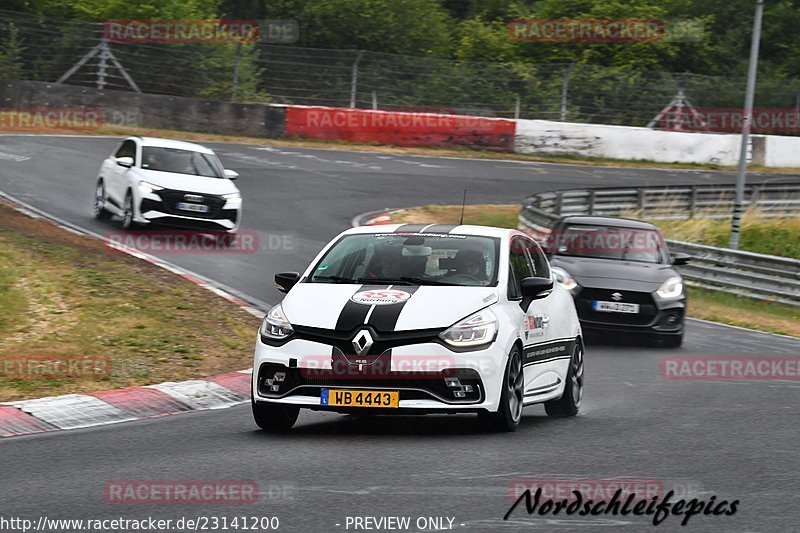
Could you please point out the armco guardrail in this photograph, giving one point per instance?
(764, 277)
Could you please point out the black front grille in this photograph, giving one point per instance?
(171, 198)
(343, 340)
(647, 307)
(420, 385)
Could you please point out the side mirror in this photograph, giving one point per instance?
(231, 174)
(126, 162)
(681, 259)
(535, 289)
(286, 280)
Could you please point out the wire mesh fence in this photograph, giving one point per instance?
(52, 50)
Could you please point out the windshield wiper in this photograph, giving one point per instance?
(406, 280)
(336, 279)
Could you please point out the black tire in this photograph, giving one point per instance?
(127, 212)
(509, 413)
(570, 402)
(672, 341)
(99, 210)
(275, 417)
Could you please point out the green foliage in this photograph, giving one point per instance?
(11, 49)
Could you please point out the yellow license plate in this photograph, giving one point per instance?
(359, 398)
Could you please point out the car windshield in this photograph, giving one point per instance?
(410, 258)
(608, 242)
(181, 162)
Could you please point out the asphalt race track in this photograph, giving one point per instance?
(732, 440)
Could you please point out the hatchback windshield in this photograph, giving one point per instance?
(181, 162)
(604, 242)
(410, 258)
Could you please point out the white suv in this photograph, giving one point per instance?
(174, 183)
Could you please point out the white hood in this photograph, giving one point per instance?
(321, 305)
(186, 182)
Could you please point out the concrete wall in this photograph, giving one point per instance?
(620, 142)
(125, 108)
(405, 129)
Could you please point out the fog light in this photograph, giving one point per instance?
(459, 393)
(269, 381)
(279, 376)
(468, 388)
(672, 319)
(452, 382)
(274, 388)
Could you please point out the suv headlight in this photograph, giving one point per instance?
(563, 278)
(671, 289)
(147, 188)
(275, 325)
(475, 330)
(233, 199)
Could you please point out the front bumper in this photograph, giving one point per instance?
(655, 315)
(160, 207)
(423, 375)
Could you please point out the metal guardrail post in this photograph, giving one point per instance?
(591, 201)
(559, 203)
(755, 195)
(640, 201)
(693, 202)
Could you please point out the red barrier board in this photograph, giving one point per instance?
(400, 129)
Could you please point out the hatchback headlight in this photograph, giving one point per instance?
(563, 278)
(275, 325)
(475, 330)
(671, 289)
(147, 188)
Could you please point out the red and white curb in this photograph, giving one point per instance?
(372, 218)
(75, 411)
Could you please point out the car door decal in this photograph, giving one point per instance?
(548, 351)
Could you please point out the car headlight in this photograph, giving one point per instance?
(475, 330)
(671, 289)
(147, 188)
(275, 325)
(233, 200)
(563, 278)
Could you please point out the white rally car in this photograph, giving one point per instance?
(417, 319)
(173, 183)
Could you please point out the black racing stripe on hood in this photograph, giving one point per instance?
(384, 317)
(353, 314)
(410, 228)
(440, 228)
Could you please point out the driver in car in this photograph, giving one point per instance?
(470, 263)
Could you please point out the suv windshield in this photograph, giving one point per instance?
(608, 242)
(181, 162)
(410, 258)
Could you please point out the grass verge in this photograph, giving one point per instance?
(64, 296)
(773, 236)
(124, 131)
